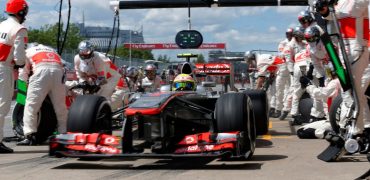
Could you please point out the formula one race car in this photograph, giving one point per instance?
(167, 125)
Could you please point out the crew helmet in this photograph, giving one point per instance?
(183, 82)
(289, 33)
(85, 49)
(249, 55)
(132, 72)
(150, 71)
(17, 7)
(298, 32)
(305, 17)
(312, 34)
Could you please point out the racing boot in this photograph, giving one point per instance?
(276, 114)
(30, 140)
(296, 120)
(4, 149)
(157, 147)
(272, 112)
(284, 115)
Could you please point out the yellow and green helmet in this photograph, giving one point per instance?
(183, 82)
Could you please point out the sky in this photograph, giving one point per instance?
(241, 28)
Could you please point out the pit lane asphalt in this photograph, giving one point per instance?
(279, 155)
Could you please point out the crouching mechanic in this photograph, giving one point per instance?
(47, 79)
(319, 129)
(151, 82)
(94, 67)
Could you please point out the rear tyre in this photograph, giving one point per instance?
(90, 114)
(304, 107)
(260, 107)
(334, 113)
(46, 118)
(232, 114)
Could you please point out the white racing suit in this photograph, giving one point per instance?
(47, 79)
(282, 79)
(113, 77)
(289, 52)
(12, 51)
(265, 69)
(319, 129)
(97, 67)
(155, 84)
(318, 55)
(331, 90)
(300, 68)
(353, 17)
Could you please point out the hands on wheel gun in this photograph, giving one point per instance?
(88, 87)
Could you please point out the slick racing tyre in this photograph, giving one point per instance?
(334, 113)
(232, 114)
(47, 121)
(304, 107)
(90, 114)
(260, 108)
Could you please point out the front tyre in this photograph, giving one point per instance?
(232, 114)
(90, 114)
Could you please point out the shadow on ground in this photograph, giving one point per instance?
(177, 164)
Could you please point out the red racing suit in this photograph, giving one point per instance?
(47, 79)
(13, 37)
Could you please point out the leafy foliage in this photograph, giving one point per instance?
(164, 58)
(47, 35)
(135, 53)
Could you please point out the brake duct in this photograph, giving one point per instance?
(147, 4)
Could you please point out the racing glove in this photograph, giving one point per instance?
(321, 82)
(304, 81)
(100, 81)
(310, 72)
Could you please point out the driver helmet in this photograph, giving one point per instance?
(312, 34)
(249, 55)
(289, 33)
(17, 7)
(183, 82)
(305, 18)
(132, 72)
(150, 71)
(85, 50)
(298, 33)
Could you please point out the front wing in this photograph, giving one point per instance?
(78, 145)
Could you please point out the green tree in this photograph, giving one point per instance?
(164, 58)
(135, 53)
(200, 59)
(47, 35)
